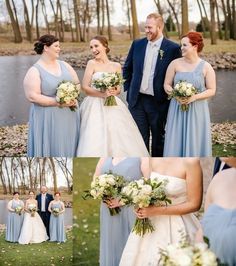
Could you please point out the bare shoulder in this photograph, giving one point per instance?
(191, 161)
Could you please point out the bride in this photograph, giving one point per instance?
(106, 130)
(184, 188)
(33, 230)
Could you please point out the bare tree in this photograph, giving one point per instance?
(212, 10)
(53, 173)
(27, 23)
(159, 8)
(136, 33)
(176, 16)
(218, 21)
(14, 21)
(108, 22)
(202, 19)
(37, 19)
(184, 8)
(44, 11)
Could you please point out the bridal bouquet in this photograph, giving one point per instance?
(183, 89)
(106, 187)
(143, 193)
(67, 92)
(183, 253)
(56, 211)
(19, 210)
(32, 209)
(106, 82)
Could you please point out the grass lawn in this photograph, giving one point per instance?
(86, 215)
(44, 254)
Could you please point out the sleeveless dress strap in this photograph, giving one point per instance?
(199, 67)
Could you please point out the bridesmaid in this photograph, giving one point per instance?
(56, 226)
(15, 218)
(188, 133)
(114, 230)
(53, 127)
(219, 219)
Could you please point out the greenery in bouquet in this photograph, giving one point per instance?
(67, 92)
(184, 253)
(143, 193)
(106, 82)
(106, 187)
(56, 211)
(183, 89)
(32, 209)
(19, 210)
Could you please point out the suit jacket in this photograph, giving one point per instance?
(133, 69)
(48, 199)
(217, 166)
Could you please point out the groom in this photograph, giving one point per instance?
(43, 200)
(144, 73)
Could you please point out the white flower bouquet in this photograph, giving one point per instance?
(32, 209)
(106, 187)
(143, 193)
(186, 254)
(183, 89)
(106, 82)
(67, 92)
(56, 211)
(19, 209)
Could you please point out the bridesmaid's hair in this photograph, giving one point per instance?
(57, 193)
(31, 191)
(103, 40)
(47, 40)
(16, 192)
(195, 38)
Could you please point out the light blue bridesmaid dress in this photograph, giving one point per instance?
(114, 230)
(14, 222)
(56, 225)
(188, 133)
(219, 226)
(53, 131)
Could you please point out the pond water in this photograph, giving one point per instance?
(14, 108)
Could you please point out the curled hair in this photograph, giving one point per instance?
(195, 38)
(31, 191)
(47, 40)
(57, 193)
(103, 40)
(16, 192)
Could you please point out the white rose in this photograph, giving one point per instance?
(102, 181)
(208, 258)
(93, 192)
(140, 182)
(63, 86)
(189, 85)
(146, 189)
(176, 86)
(201, 246)
(182, 259)
(188, 92)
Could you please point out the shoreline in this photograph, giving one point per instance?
(79, 57)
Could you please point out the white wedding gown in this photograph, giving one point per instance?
(108, 130)
(144, 251)
(33, 230)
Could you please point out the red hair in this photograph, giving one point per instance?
(195, 38)
(57, 193)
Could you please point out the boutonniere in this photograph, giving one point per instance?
(161, 53)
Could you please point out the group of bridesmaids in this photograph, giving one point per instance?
(24, 224)
(120, 246)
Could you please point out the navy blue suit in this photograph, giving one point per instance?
(149, 112)
(217, 166)
(45, 216)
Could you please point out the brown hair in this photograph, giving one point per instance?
(47, 40)
(57, 193)
(103, 40)
(195, 38)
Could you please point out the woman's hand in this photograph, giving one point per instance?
(149, 211)
(113, 203)
(186, 100)
(114, 91)
(73, 103)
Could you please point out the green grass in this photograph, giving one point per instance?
(220, 150)
(86, 215)
(43, 254)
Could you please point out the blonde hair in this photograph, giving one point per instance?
(157, 17)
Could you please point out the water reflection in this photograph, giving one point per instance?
(14, 107)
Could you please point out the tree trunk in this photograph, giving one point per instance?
(37, 19)
(231, 30)
(14, 22)
(4, 187)
(234, 19)
(62, 28)
(98, 16)
(129, 19)
(218, 22)
(103, 17)
(202, 20)
(70, 19)
(27, 23)
(136, 33)
(108, 22)
(226, 20)
(176, 17)
(212, 10)
(184, 8)
(205, 13)
(54, 175)
(44, 11)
